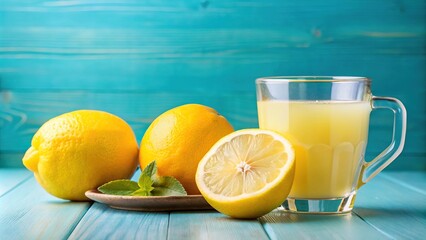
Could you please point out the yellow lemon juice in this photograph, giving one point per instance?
(329, 138)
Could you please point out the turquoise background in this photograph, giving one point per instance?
(137, 59)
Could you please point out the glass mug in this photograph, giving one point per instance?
(327, 120)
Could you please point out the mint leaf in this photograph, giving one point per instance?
(163, 186)
(168, 186)
(149, 184)
(151, 169)
(119, 187)
(145, 186)
(145, 181)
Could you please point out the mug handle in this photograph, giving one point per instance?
(372, 168)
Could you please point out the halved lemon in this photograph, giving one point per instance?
(247, 173)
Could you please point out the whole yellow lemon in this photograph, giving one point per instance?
(178, 139)
(81, 150)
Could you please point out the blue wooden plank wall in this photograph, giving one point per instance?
(137, 59)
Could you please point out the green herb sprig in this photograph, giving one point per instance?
(149, 184)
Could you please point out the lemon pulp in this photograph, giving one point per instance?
(247, 165)
(247, 173)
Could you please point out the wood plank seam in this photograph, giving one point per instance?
(76, 223)
(392, 208)
(168, 227)
(264, 226)
(371, 225)
(16, 185)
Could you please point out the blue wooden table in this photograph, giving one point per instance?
(391, 206)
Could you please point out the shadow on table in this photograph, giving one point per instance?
(278, 216)
(58, 204)
(58, 201)
(397, 214)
